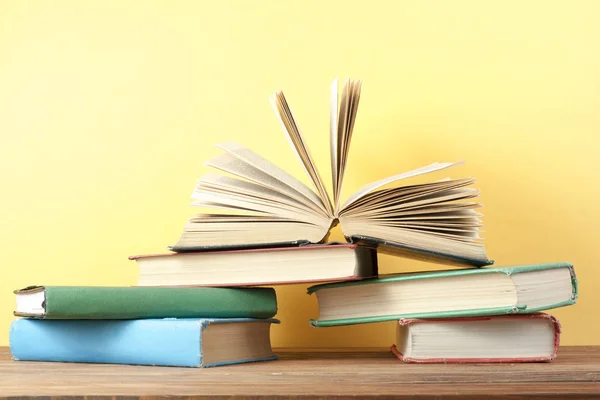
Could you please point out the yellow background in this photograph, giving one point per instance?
(108, 110)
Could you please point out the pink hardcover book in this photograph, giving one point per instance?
(496, 339)
(259, 267)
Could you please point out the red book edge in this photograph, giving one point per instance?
(253, 250)
(551, 357)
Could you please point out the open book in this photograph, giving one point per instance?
(266, 206)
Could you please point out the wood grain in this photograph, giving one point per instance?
(575, 374)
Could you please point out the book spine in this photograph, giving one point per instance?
(73, 302)
(142, 342)
(557, 331)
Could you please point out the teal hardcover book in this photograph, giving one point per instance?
(121, 302)
(447, 294)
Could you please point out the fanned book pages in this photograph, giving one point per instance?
(262, 205)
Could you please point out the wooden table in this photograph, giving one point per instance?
(575, 374)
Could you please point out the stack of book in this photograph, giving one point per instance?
(260, 226)
(473, 315)
(470, 311)
(187, 327)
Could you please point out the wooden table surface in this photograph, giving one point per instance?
(575, 374)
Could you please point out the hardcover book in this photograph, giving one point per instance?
(501, 339)
(254, 267)
(165, 342)
(444, 294)
(258, 204)
(97, 302)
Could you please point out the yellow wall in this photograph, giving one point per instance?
(108, 110)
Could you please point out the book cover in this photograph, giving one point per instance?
(98, 302)
(164, 342)
(509, 271)
(522, 318)
(415, 253)
(235, 247)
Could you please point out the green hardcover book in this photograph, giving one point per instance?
(96, 302)
(447, 294)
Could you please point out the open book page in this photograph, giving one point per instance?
(249, 189)
(376, 198)
(443, 217)
(434, 199)
(235, 203)
(333, 140)
(405, 197)
(290, 127)
(233, 218)
(433, 217)
(246, 164)
(442, 210)
(215, 195)
(241, 231)
(386, 181)
(345, 125)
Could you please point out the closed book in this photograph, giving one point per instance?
(166, 342)
(98, 302)
(501, 339)
(442, 294)
(257, 267)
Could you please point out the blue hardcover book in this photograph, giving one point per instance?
(186, 342)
